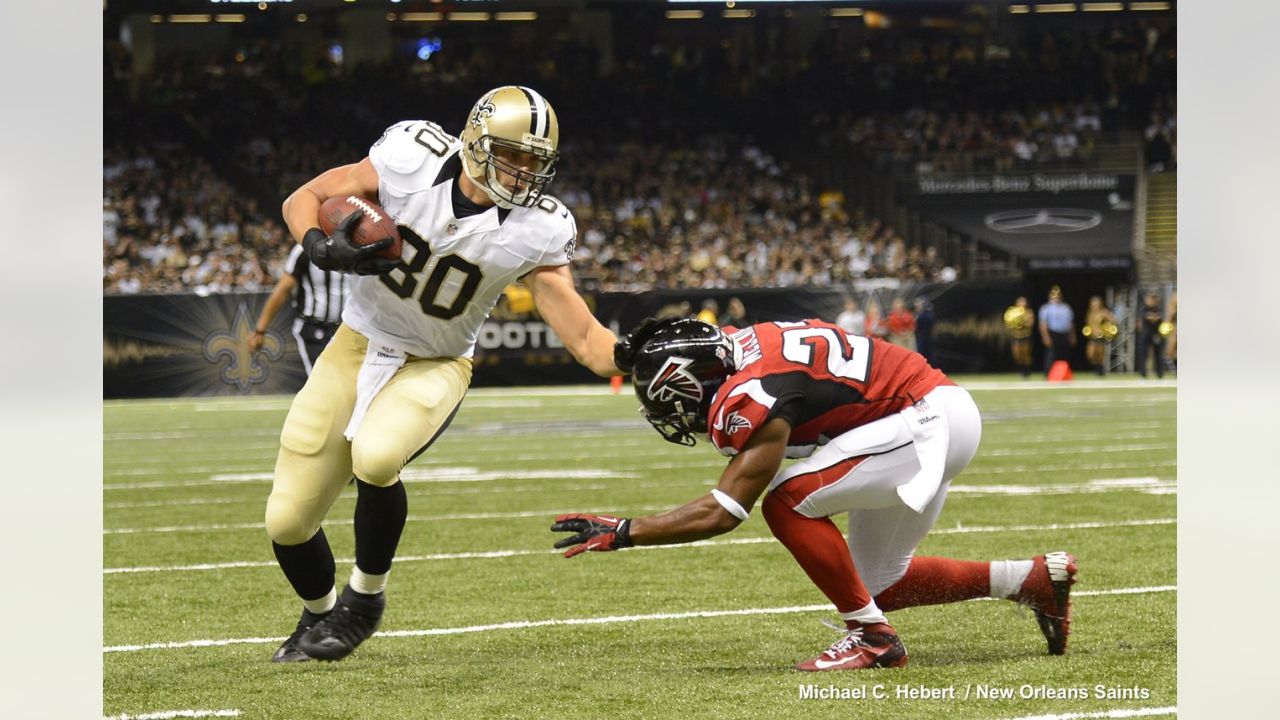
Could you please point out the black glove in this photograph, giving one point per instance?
(624, 351)
(337, 252)
(595, 533)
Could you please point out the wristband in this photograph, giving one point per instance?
(729, 504)
(622, 536)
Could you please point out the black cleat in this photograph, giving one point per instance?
(352, 621)
(288, 650)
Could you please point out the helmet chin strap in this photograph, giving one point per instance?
(490, 185)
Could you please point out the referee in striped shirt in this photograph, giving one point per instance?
(318, 300)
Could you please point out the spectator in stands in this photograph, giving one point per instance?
(708, 312)
(736, 314)
(924, 329)
(900, 324)
(852, 320)
(719, 200)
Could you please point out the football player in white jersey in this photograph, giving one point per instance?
(474, 217)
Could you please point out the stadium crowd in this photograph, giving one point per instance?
(678, 201)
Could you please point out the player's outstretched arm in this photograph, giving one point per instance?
(743, 481)
(567, 313)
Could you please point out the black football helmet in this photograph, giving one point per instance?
(677, 372)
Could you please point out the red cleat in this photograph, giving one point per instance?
(1047, 591)
(869, 646)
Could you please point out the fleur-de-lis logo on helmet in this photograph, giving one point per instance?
(243, 368)
(484, 109)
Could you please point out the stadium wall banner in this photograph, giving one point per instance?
(193, 345)
(1072, 221)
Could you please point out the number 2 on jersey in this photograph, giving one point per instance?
(847, 356)
(430, 293)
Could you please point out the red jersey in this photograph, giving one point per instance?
(824, 381)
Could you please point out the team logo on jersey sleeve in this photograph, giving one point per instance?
(737, 422)
(732, 423)
(674, 379)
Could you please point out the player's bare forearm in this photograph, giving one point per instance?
(302, 208)
(590, 343)
(743, 481)
(698, 520)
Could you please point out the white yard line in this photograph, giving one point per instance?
(607, 620)
(487, 554)
(453, 474)
(1090, 385)
(1147, 485)
(408, 475)
(168, 714)
(1121, 713)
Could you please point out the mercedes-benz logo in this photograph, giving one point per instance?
(1036, 221)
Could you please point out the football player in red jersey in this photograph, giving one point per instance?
(879, 433)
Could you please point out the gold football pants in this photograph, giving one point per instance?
(316, 461)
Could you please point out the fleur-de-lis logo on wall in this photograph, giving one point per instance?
(242, 369)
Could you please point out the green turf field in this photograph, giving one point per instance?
(485, 621)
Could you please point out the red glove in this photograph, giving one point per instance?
(597, 533)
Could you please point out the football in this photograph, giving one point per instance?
(374, 226)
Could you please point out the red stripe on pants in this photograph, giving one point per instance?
(796, 489)
(937, 580)
(820, 548)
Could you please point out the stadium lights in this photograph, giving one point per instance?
(515, 16)
(738, 14)
(1102, 6)
(469, 16)
(196, 18)
(846, 12)
(300, 17)
(236, 18)
(421, 17)
(1019, 9)
(684, 14)
(1056, 8)
(1148, 6)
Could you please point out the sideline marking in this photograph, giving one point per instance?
(488, 554)
(607, 620)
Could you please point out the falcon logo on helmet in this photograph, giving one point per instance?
(677, 372)
(674, 379)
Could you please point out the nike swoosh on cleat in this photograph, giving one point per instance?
(823, 664)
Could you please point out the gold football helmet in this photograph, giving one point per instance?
(515, 119)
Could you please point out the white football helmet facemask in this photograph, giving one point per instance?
(518, 119)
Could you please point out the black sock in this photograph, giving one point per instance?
(309, 567)
(380, 517)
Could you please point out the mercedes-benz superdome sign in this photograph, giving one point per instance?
(1036, 216)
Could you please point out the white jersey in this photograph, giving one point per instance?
(452, 271)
